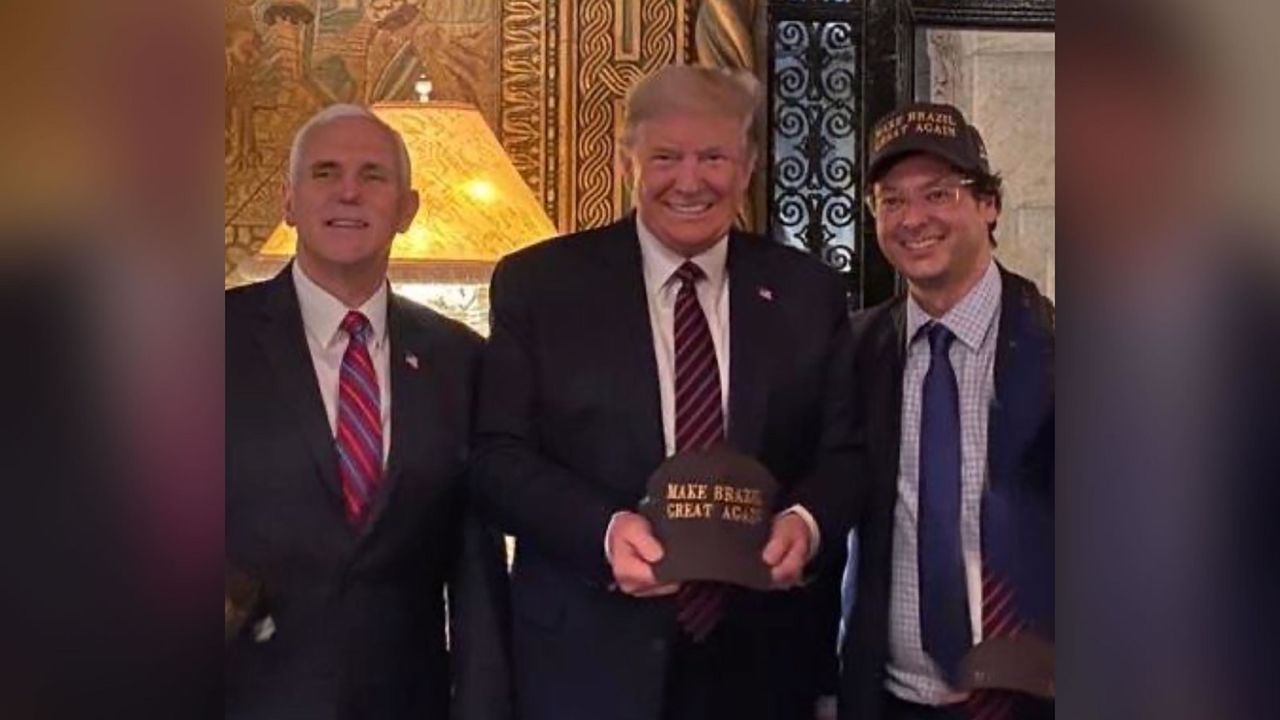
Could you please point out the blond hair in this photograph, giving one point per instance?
(693, 90)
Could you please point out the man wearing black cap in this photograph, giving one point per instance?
(955, 386)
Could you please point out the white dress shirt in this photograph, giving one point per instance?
(912, 674)
(322, 316)
(661, 288)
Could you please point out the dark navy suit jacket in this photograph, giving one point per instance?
(570, 428)
(360, 616)
(1020, 457)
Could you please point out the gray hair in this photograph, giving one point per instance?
(337, 112)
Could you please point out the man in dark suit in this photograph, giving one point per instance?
(616, 347)
(954, 395)
(348, 418)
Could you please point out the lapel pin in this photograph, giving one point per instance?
(765, 294)
(264, 629)
(411, 360)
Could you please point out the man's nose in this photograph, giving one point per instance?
(915, 213)
(349, 189)
(688, 175)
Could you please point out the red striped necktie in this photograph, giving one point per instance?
(999, 619)
(359, 426)
(699, 425)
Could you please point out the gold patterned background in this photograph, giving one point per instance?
(548, 76)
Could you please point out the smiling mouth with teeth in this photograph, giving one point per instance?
(921, 243)
(347, 224)
(689, 209)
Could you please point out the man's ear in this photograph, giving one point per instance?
(290, 217)
(408, 209)
(749, 169)
(624, 162)
(625, 167)
(988, 208)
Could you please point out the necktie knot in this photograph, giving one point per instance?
(689, 273)
(356, 325)
(940, 338)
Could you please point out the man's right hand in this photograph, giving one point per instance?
(632, 550)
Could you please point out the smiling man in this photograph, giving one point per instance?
(348, 417)
(616, 347)
(954, 382)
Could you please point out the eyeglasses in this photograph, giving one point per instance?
(937, 197)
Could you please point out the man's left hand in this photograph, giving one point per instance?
(787, 550)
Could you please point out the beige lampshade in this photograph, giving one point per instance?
(474, 209)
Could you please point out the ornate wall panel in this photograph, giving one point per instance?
(529, 91)
(566, 67)
(548, 75)
(286, 59)
(605, 51)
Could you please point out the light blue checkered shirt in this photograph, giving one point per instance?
(912, 675)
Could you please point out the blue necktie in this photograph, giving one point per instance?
(944, 602)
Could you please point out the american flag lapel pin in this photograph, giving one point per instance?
(411, 360)
(765, 293)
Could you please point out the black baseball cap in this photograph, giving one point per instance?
(712, 510)
(933, 128)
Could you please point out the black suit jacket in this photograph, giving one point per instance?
(570, 429)
(359, 616)
(1020, 458)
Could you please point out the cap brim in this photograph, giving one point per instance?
(674, 569)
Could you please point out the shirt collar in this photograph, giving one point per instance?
(660, 262)
(971, 318)
(322, 313)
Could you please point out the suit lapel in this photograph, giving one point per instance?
(284, 341)
(629, 333)
(413, 401)
(751, 328)
(879, 337)
(1017, 513)
(893, 351)
(882, 364)
(1023, 377)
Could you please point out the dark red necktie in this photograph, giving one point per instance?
(699, 424)
(359, 426)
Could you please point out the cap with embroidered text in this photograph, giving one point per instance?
(933, 128)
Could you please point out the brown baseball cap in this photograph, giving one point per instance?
(1022, 662)
(933, 128)
(712, 510)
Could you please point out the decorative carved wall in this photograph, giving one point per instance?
(608, 45)
(529, 92)
(548, 75)
(286, 59)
